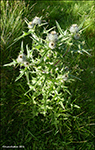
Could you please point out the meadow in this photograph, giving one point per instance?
(55, 118)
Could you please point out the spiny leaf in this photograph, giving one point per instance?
(21, 74)
(22, 50)
(59, 28)
(12, 63)
(83, 50)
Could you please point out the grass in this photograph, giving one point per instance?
(18, 126)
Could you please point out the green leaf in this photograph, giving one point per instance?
(23, 35)
(36, 40)
(32, 86)
(22, 50)
(50, 29)
(80, 52)
(83, 50)
(43, 56)
(63, 39)
(17, 39)
(59, 28)
(67, 91)
(42, 24)
(27, 76)
(12, 63)
(21, 74)
(76, 106)
(62, 105)
(26, 20)
(28, 52)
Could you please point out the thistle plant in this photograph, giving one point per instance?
(43, 65)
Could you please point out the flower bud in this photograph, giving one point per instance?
(77, 36)
(36, 20)
(53, 36)
(52, 45)
(30, 25)
(21, 58)
(26, 63)
(65, 77)
(74, 28)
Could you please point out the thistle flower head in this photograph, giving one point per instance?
(76, 36)
(36, 20)
(30, 25)
(26, 63)
(53, 32)
(74, 28)
(52, 36)
(21, 58)
(52, 45)
(65, 77)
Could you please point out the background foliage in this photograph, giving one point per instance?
(18, 125)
